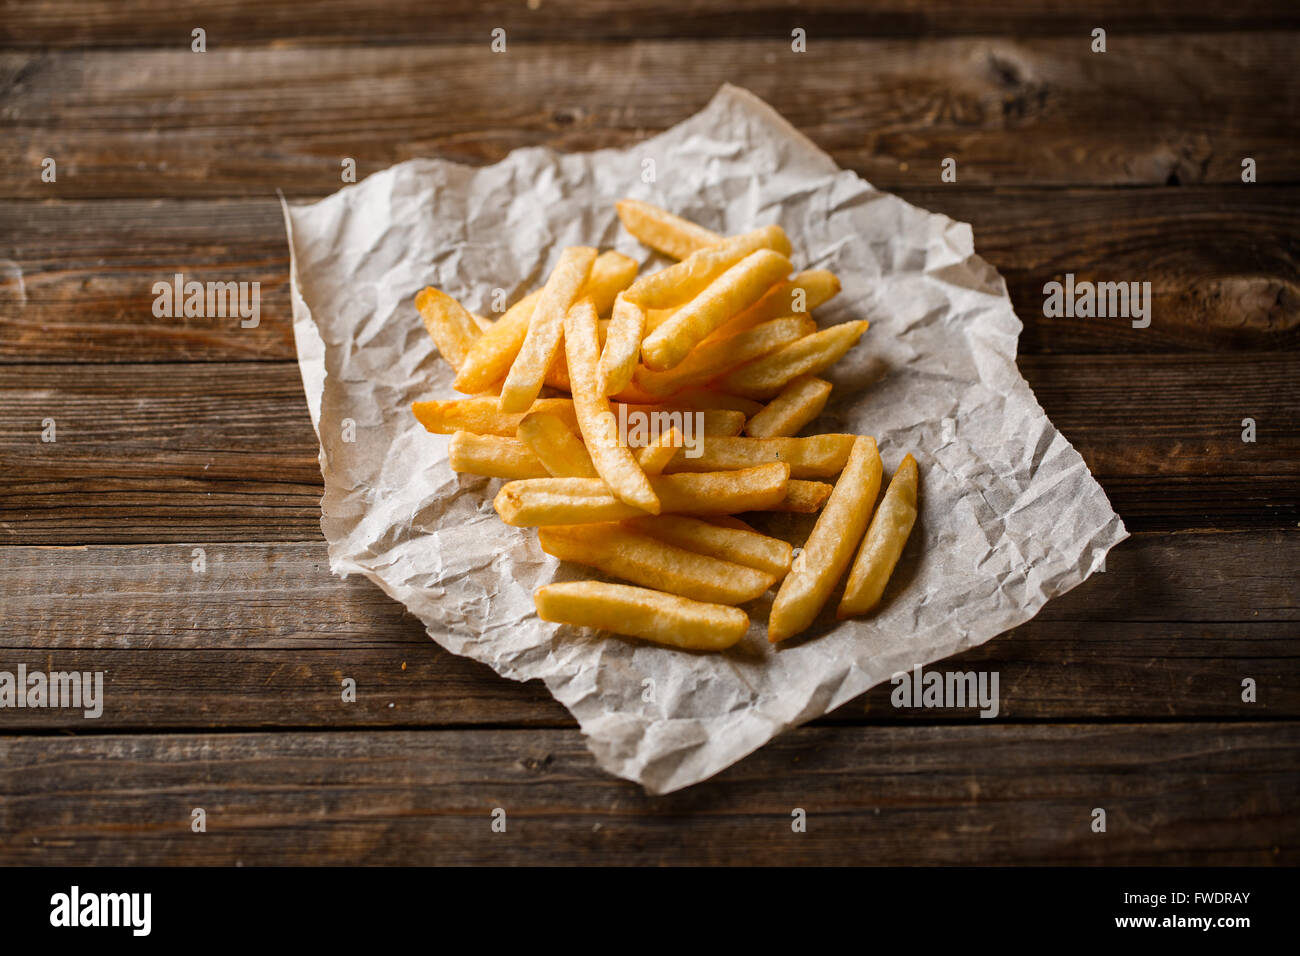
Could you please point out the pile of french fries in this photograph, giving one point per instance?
(724, 336)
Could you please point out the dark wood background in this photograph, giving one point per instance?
(223, 687)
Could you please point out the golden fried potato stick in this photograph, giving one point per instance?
(711, 401)
(623, 553)
(741, 545)
(493, 456)
(662, 231)
(803, 497)
(611, 273)
(546, 329)
(491, 356)
(653, 458)
(883, 545)
(739, 287)
(817, 456)
(483, 416)
(640, 612)
(556, 446)
(829, 547)
(811, 355)
(798, 295)
(482, 323)
(685, 280)
(614, 461)
(452, 328)
(551, 501)
(717, 357)
(730, 521)
(622, 347)
(802, 400)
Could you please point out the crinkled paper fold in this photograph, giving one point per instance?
(1010, 516)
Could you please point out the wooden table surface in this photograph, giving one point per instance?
(222, 687)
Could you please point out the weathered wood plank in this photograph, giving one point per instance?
(1047, 670)
(221, 452)
(282, 596)
(1222, 263)
(1174, 794)
(1154, 109)
(133, 23)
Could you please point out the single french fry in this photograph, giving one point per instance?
(883, 544)
(653, 458)
(483, 416)
(797, 404)
(803, 497)
(493, 456)
(490, 356)
(741, 545)
(611, 273)
(685, 280)
(556, 446)
(818, 456)
(829, 548)
(662, 231)
(622, 346)
(798, 295)
(641, 559)
(546, 329)
(810, 355)
(640, 612)
(736, 289)
(714, 358)
(550, 501)
(614, 461)
(452, 328)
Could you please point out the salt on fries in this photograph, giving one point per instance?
(718, 343)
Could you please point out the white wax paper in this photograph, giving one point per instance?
(1009, 515)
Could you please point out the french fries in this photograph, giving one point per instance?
(493, 456)
(736, 289)
(622, 346)
(640, 471)
(798, 295)
(797, 404)
(812, 355)
(829, 547)
(682, 282)
(452, 329)
(555, 446)
(614, 462)
(716, 357)
(623, 553)
(662, 231)
(545, 329)
(819, 456)
(654, 458)
(883, 545)
(548, 501)
(731, 542)
(640, 612)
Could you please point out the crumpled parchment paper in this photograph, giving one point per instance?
(1010, 516)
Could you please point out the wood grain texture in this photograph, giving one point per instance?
(226, 452)
(134, 23)
(1154, 109)
(1174, 794)
(1223, 263)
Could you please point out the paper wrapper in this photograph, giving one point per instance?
(1009, 515)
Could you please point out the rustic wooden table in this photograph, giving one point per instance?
(222, 686)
